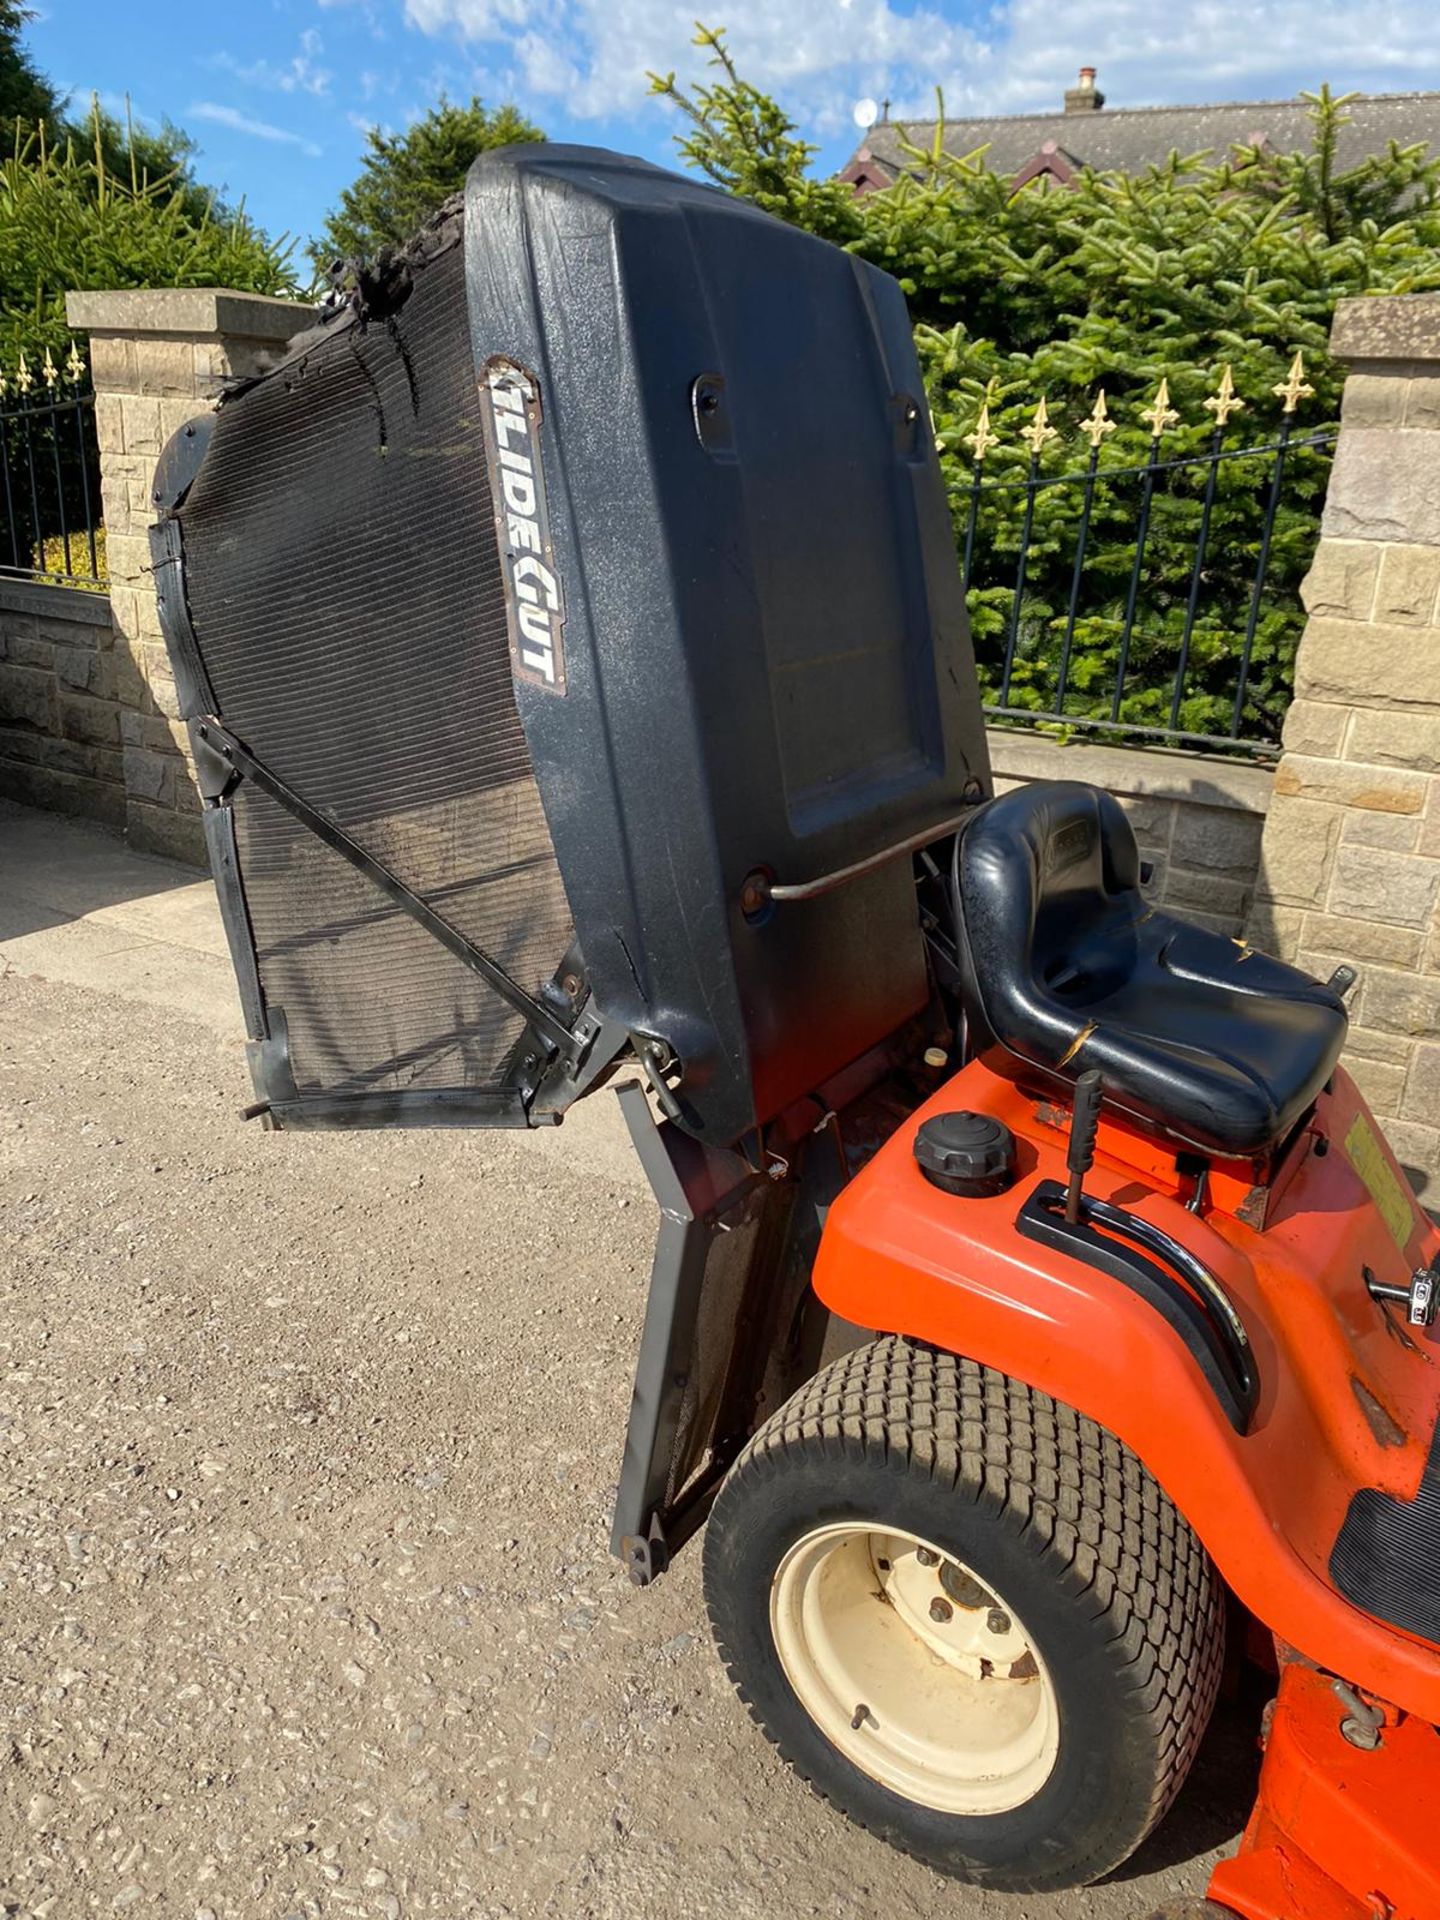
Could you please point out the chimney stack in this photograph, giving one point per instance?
(1086, 98)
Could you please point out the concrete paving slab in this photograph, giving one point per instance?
(79, 870)
(77, 906)
(86, 952)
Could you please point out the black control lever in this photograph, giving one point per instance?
(1080, 1156)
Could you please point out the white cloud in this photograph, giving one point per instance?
(594, 55)
(223, 116)
(117, 105)
(1215, 50)
(301, 74)
(819, 56)
(368, 10)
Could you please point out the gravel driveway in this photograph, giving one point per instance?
(307, 1448)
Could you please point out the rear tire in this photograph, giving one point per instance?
(1025, 1725)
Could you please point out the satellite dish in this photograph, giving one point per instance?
(866, 113)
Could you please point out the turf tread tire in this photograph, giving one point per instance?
(1056, 1480)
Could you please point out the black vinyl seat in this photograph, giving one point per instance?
(1066, 967)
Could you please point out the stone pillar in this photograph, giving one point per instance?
(1350, 861)
(159, 358)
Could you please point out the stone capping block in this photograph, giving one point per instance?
(188, 311)
(33, 598)
(1402, 326)
(1158, 773)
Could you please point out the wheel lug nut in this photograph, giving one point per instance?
(997, 1620)
(940, 1611)
(926, 1557)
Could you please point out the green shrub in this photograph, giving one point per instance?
(68, 222)
(405, 176)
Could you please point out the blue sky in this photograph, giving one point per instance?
(279, 92)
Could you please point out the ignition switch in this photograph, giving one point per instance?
(1419, 1299)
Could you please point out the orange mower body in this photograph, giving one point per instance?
(1347, 1401)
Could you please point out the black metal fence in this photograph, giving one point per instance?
(1153, 599)
(50, 525)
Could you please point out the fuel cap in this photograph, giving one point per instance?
(969, 1154)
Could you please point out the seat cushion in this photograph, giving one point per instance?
(1067, 967)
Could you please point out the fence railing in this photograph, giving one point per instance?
(50, 525)
(1155, 599)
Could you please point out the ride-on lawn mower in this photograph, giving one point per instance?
(579, 687)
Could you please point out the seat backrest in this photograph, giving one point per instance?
(1067, 968)
(1047, 882)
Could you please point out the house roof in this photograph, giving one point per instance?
(1128, 139)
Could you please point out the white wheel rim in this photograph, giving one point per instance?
(919, 1672)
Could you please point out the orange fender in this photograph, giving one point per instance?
(1347, 1399)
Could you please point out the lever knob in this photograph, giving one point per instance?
(1085, 1121)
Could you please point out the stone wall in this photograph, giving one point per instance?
(158, 359)
(1198, 819)
(60, 741)
(1350, 866)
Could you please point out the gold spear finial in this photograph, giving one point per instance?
(48, 369)
(75, 362)
(982, 439)
(1099, 423)
(1161, 415)
(1226, 401)
(1039, 431)
(24, 379)
(1295, 387)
